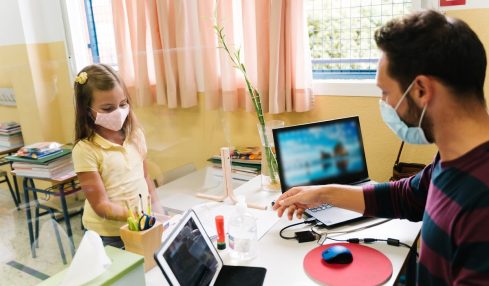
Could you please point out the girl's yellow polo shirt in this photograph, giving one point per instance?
(122, 172)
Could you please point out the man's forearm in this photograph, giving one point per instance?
(344, 196)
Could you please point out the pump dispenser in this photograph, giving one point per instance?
(242, 232)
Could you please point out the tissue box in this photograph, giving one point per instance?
(126, 269)
(145, 243)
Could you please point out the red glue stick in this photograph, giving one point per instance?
(221, 240)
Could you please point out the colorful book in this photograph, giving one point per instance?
(242, 156)
(44, 160)
(63, 161)
(39, 150)
(252, 153)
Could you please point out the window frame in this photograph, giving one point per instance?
(359, 87)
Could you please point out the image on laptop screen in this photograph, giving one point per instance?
(321, 153)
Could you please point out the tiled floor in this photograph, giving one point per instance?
(17, 267)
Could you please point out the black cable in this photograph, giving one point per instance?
(389, 241)
(346, 231)
(356, 229)
(311, 221)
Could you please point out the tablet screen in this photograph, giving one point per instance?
(188, 257)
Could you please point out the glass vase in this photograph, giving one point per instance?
(270, 180)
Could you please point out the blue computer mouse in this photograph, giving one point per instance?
(337, 254)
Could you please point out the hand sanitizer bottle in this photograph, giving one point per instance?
(242, 232)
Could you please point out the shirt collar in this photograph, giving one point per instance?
(104, 143)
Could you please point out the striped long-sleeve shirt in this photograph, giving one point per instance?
(452, 200)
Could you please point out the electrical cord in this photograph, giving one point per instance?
(314, 223)
(389, 241)
(306, 236)
(351, 230)
(310, 221)
(347, 231)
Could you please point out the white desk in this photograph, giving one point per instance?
(282, 258)
(179, 195)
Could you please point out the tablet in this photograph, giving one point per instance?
(187, 256)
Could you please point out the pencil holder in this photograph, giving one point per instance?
(145, 242)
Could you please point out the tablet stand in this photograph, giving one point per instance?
(228, 187)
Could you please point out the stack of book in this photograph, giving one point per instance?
(10, 135)
(39, 150)
(245, 163)
(43, 160)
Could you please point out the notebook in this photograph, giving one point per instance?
(188, 257)
(322, 153)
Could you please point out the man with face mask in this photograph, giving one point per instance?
(431, 74)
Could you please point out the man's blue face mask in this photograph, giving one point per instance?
(412, 135)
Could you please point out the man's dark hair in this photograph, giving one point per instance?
(429, 43)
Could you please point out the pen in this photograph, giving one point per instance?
(141, 202)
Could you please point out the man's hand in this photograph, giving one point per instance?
(298, 199)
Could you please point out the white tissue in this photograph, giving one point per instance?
(89, 262)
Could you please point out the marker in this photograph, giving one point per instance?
(221, 241)
(149, 205)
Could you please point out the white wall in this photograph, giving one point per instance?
(30, 22)
(11, 30)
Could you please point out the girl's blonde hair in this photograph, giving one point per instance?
(103, 78)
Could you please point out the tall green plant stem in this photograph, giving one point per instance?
(255, 99)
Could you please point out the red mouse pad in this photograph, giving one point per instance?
(369, 266)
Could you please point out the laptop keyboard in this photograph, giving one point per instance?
(321, 207)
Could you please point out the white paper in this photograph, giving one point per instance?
(207, 212)
(89, 262)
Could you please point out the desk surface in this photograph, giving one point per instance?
(64, 178)
(282, 258)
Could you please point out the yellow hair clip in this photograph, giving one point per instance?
(81, 78)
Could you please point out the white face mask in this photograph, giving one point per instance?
(412, 135)
(113, 120)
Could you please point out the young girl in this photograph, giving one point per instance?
(109, 153)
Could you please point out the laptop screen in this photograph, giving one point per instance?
(320, 153)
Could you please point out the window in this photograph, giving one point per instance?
(341, 35)
(340, 31)
(89, 33)
(101, 31)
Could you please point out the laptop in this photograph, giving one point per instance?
(187, 257)
(321, 153)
